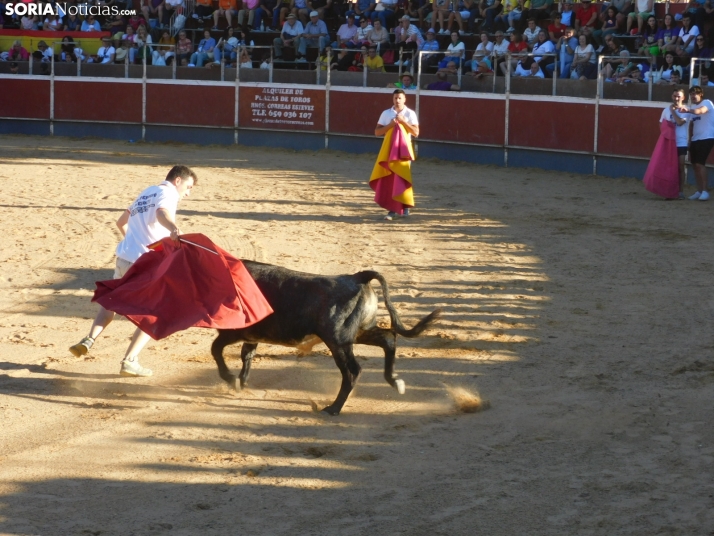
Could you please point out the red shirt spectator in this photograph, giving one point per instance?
(556, 30)
(586, 15)
(136, 21)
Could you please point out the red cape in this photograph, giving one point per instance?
(172, 288)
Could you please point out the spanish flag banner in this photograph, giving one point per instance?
(391, 177)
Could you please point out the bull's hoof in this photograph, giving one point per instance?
(331, 410)
(243, 383)
(400, 386)
(233, 384)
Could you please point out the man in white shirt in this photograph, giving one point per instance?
(289, 36)
(398, 114)
(702, 138)
(106, 52)
(150, 218)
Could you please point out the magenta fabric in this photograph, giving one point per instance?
(662, 175)
(391, 186)
(172, 288)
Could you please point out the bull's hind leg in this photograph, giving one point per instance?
(225, 337)
(387, 341)
(350, 369)
(246, 354)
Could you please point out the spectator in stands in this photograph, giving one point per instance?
(586, 18)
(17, 52)
(531, 32)
(362, 9)
(614, 69)
(442, 84)
(566, 42)
(378, 37)
(105, 54)
(412, 9)
(528, 68)
(116, 25)
(374, 62)
(500, 50)
(204, 51)
(14, 68)
(584, 64)
(426, 15)
(687, 36)
(406, 81)
(343, 61)
(481, 62)
(227, 9)
(264, 12)
(516, 47)
(509, 6)
(643, 9)
(142, 41)
(622, 9)
(702, 81)
(300, 10)
(649, 47)
(701, 11)
(325, 58)
(609, 25)
(289, 36)
(90, 25)
(441, 11)
(43, 53)
(454, 52)
(121, 51)
(130, 37)
(321, 6)
(244, 60)
(363, 30)
(52, 24)
(701, 50)
(567, 16)
(346, 34)
(227, 47)
(164, 55)
(137, 20)
(203, 10)
(665, 72)
(315, 35)
(72, 23)
(184, 48)
(489, 10)
(266, 62)
(29, 22)
(152, 7)
(430, 45)
(384, 11)
(67, 50)
(249, 7)
(543, 46)
(540, 9)
(556, 29)
(408, 37)
(668, 36)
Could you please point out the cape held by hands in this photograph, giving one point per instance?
(173, 287)
(391, 177)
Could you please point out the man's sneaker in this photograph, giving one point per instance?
(704, 196)
(681, 195)
(511, 29)
(406, 63)
(406, 213)
(461, 33)
(695, 196)
(390, 216)
(301, 60)
(194, 16)
(133, 368)
(82, 347)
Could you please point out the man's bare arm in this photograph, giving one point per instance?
(123, 221)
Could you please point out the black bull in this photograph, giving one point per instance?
(339, 311)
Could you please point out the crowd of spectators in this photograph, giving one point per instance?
(520, 37)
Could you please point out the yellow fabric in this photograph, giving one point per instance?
(399, 167)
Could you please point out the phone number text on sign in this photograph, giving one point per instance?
(282, 108)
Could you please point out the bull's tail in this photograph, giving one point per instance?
(397, 326)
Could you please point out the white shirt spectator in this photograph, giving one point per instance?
(682, 131)
(520, 71)
(501, 49)
(456, 48)
(413, 34)
(694, 32)
(582, 52)
(703, 125)
(487, 49)
(363, 33)
(106, 55)
(143, 227)
(531, 35)
(546, 47)
(294, 30)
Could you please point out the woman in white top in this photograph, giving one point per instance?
(687, 36)
(543, 45)
(481, 61)
(584, 63)
(454, 52)
(52, 24)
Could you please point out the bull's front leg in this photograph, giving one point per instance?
(225, 337)
(246, 354)
(350, 369)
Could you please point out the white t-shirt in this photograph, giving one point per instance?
(501, 49)
(520, 71)
(460, 47)
(546, 47)
(703, 125)
(105, 54)
(680, 131)
(582, 52)
(408, 114)
(692, 31)
(144, 228)
(485, 49)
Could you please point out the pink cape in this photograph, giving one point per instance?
(172, 288)
(393, 187)
(662, 175)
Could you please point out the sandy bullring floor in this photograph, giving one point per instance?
(580, 307)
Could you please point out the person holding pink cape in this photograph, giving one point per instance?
(665, 172)
(391, 177)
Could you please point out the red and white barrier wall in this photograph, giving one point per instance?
(609, 137)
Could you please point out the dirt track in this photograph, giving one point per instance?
(579, 306)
